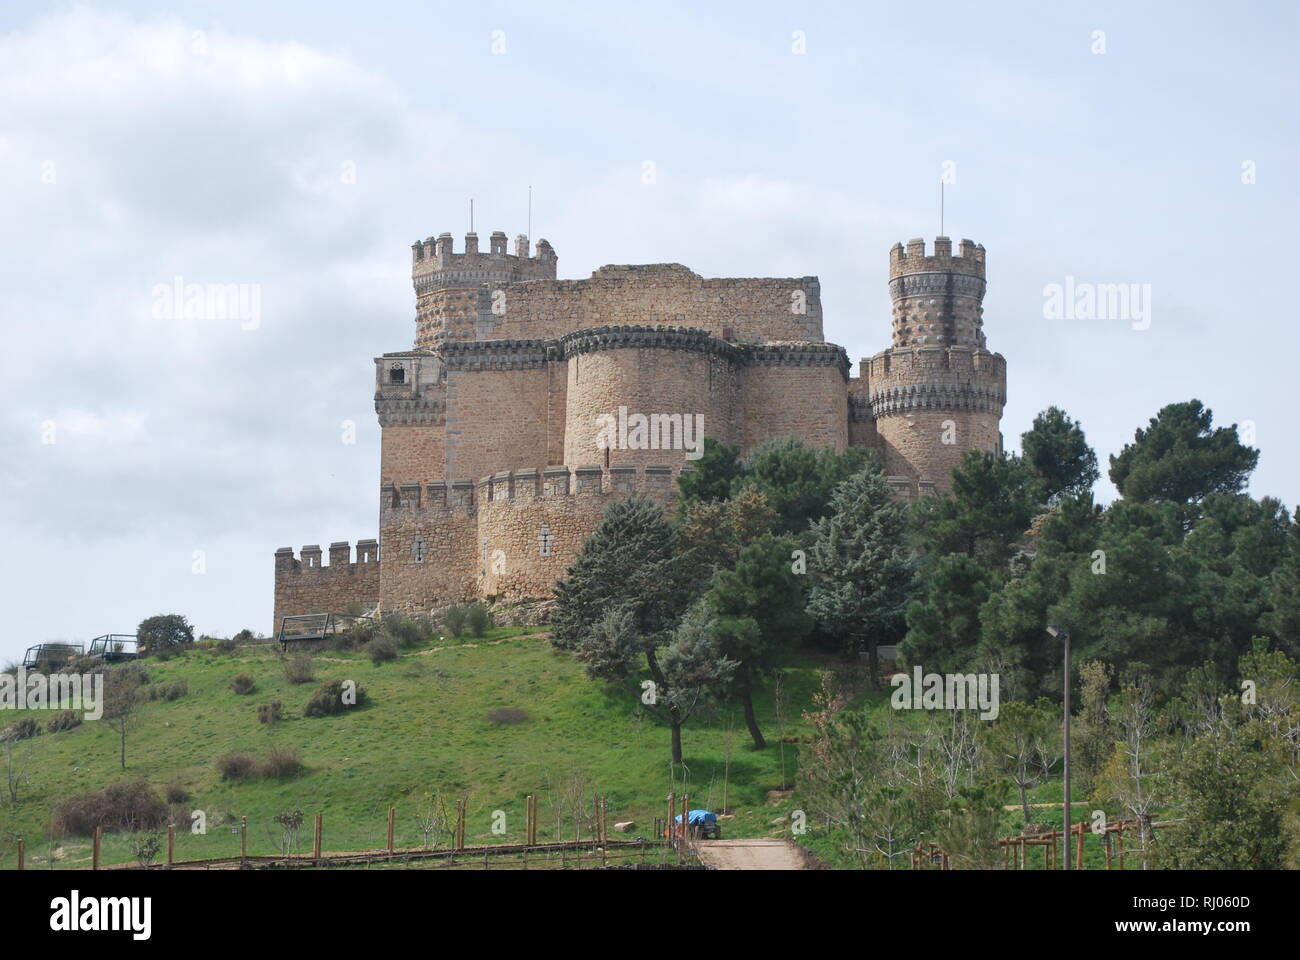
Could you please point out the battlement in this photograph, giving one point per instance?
(340, 556)
(466, 497)
(969, 260)
(905, 379)
(435, 263)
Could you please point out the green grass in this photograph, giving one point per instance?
(424, 729)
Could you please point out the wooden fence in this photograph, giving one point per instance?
(1015, 850)
(671, 849)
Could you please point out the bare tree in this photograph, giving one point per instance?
(121, 704)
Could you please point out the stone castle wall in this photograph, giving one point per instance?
(512, 366)
(305, 585)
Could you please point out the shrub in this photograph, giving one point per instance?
(328, 699)
(244, 636)
(281, 762)
(130, 805)
(454, 620)
(300, 669)
(133, 674)
(242, 683)
(145, 848)
(24, 729)
(227, 644)
(382, 648)
(65, 720)
(166, 691)
(507, 715)
(478, 619)
(406, 630)
(356, 636)
(164, 631)
(237, 766)
(269, 713)
(176, 793)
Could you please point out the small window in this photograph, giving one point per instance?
(546, 541)
(418, 550)
(397, 374)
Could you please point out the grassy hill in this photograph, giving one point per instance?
(424, 729)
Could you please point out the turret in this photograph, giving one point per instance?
(937, 299)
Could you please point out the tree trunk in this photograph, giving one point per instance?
(677, 737)
(747, 699)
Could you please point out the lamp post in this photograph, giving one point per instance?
(1064, 635)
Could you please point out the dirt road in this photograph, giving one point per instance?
(751, 854)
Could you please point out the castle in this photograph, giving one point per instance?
(528, 402)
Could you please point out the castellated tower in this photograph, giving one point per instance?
(453, 291)
(937, 392)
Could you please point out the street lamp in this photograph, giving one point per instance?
(1064, 636)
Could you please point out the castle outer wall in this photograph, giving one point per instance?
(496, 455)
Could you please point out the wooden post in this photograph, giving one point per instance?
(1121, 844)
(460, 824)
(315, 838)
(392, 816)
(243, 838)
(94, 854)
(171, 842)
(22, 854)
(1078, 848)
(685, 820)
(1047, 864)
(672, 813)
(1106, 845)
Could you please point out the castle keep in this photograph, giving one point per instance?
(528, 402)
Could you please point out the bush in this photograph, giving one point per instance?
(243, 636)
(300, 669)
(270, 713)
(237, 766)
(227, 644)
(507, 715)
(406, 630)
(382, 648)
(164, 631)
(127, 806)
(328, 699)
(176, 793)
(454, 620)
(132, 674)
(356, 636)
(65, 720)
(478, 619)
(281, 762)
(166, 691)
(242, 683)
(24, 729)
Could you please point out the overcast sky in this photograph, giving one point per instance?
(299, 149)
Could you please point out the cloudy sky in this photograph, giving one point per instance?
(153, 461)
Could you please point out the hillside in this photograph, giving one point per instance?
(424, 729)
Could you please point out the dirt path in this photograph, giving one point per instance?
(751, 854)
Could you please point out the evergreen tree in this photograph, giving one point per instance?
(1057, 452)
(1181, 458)
(798, 479)
(759, 609)
(862, 569)
(619, 608)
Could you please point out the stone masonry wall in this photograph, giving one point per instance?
(305, 585)
(750, 310)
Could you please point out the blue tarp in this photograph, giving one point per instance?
(698, 816)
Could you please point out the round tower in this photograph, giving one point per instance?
(937, 392)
